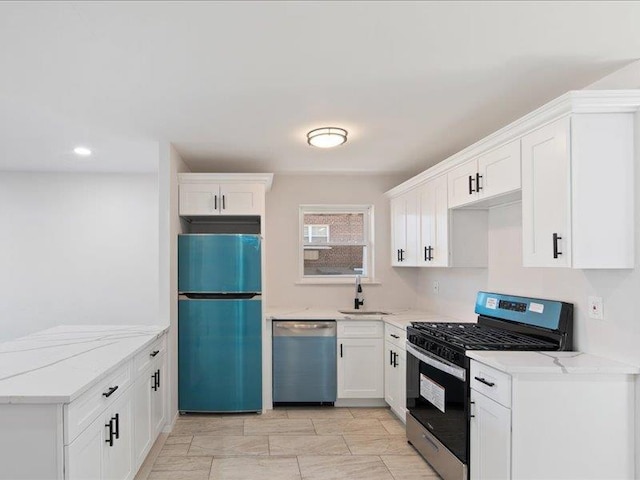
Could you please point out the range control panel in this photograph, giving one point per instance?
(525, 310)
(513, 306)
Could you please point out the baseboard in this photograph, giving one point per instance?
(360, 402)
(147, 465)
(168, 427)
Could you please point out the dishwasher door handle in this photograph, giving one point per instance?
(304, 328)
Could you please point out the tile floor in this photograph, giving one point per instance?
(290, 444)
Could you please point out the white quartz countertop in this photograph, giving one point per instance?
(58, 364)
(401, 318)
(551, 362)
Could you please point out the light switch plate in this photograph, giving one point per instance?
(436, 286)
(596, 308)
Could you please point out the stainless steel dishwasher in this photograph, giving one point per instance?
(304, 361)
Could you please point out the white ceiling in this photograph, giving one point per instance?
(236, 85)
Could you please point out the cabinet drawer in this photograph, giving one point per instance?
(491, 382)
(83, 410)
(360, 329)
(148, 354)
(396, 336)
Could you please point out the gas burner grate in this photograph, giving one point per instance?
(473, 336)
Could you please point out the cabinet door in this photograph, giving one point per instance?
(404, 229)
(401, 386)
(158, 396)
(117, 455)
(83, 457)
(462, 184)
(434, 224)
(360, 368)
(142, 427)
(390, 381)
(241, 199)
(490, 442)
(546, 193)
(499, 170)
(199, 198)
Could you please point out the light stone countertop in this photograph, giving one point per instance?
(516, 363)
(400, 318)
(59, 364)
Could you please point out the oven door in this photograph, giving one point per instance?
(437, 399)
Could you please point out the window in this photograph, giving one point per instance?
(316, 234)
(336, 242)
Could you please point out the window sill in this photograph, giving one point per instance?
(334, 281)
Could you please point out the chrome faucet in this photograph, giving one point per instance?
(359, 300)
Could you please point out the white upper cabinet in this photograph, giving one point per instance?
(491, 174)
(462, 180)
(202, 194)
(499, 171)
(404, 227)
(577, 193)
(546, 219)
(434, 224)
(570, 162)
(221, 199)
(425, 233)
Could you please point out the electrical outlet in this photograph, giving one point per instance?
(436, 286)
(596, 309)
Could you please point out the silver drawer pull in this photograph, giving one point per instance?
(431, 442)
(485, 381)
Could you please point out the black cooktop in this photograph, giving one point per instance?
(474, 336)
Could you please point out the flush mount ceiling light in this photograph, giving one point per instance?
(82, 151)
(327, 137)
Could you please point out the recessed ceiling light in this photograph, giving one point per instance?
(82, 151)
(327, 137)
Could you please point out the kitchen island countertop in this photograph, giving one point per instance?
(59, 364)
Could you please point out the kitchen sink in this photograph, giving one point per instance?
(363, 312)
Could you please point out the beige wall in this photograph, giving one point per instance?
(397, 286)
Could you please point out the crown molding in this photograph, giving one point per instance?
(572, 102)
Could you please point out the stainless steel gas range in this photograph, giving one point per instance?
(438, 370)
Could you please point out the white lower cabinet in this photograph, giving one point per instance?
(536, 425)
(142, 409)
(360, 369)
(158, 402)
(490, 439)
(117, 452)
(104, 449)
(103, 433)
(150, 407)
(395, 370)
(83, 458)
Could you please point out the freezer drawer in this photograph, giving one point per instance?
(220, 355)
(219, 263)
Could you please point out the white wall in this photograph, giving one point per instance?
(170, 165)
(396, 288)
(77, 249)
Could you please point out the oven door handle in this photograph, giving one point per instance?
(423, 356)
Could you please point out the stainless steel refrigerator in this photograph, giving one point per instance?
(219, 323)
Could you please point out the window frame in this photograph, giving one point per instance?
(369, 242)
